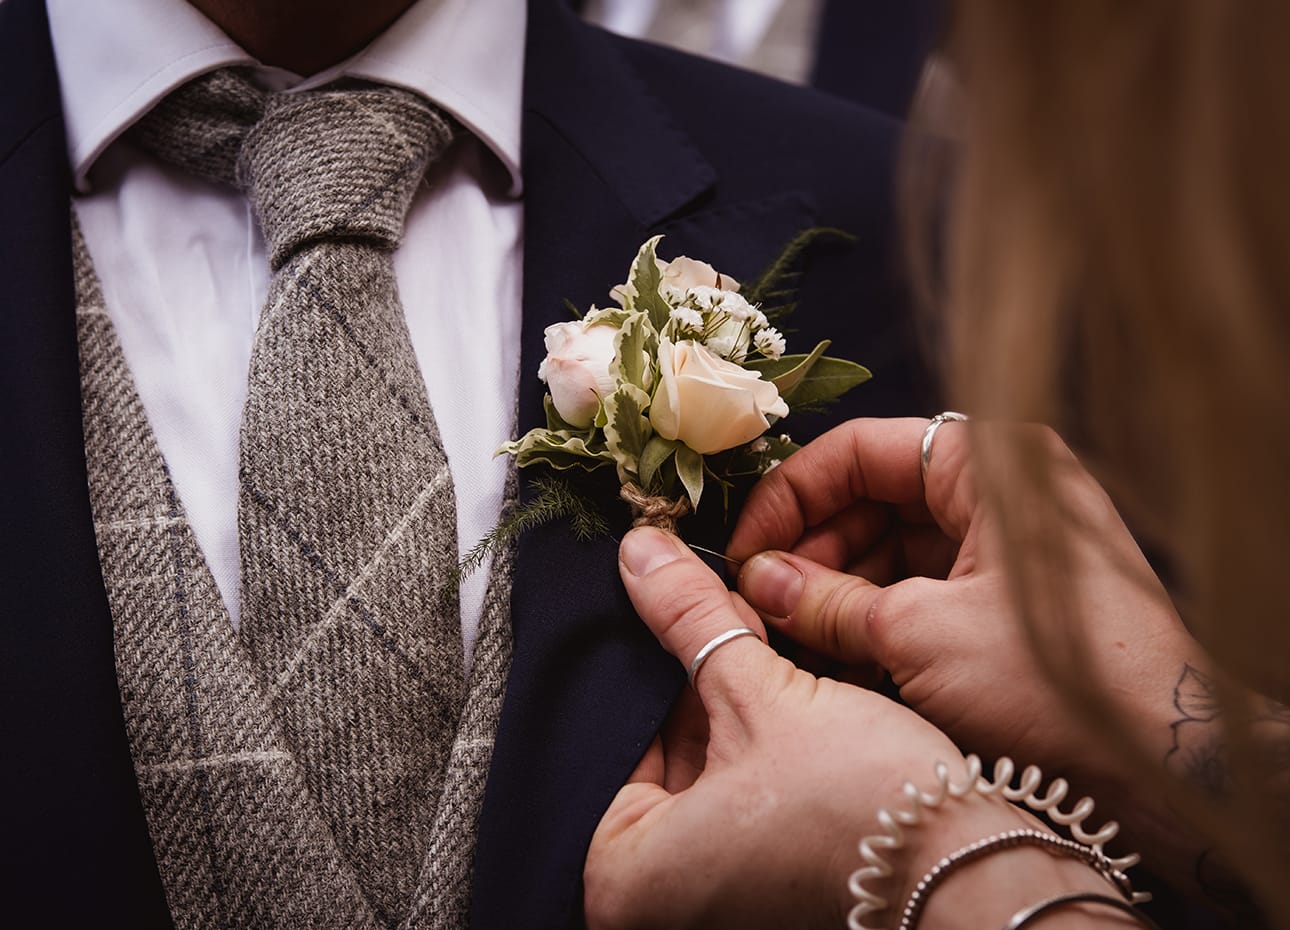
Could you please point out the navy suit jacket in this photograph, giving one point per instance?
(621, 140)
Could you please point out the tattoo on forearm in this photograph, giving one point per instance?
(1200, 755)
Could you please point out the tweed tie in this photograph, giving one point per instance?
(346, 511)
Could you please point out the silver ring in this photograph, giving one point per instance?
(930, 433)
(713, 645)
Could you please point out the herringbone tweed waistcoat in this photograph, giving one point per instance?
(319, 769)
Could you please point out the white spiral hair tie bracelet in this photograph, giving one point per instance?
(1083, 845)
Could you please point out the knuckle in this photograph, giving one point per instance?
(687, 610)
(892, 617)
(839, 615)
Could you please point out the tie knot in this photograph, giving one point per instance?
(322, 164)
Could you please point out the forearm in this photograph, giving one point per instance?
(1189, 736)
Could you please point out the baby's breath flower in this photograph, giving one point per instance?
(723, 345)
(773, 463)
(672, 294)
(706, 297)
(759, 445)
(687, 318)
(769, 342)
(738, 308)
(757, 320)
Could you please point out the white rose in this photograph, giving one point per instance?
(576, 369)
(708, 403)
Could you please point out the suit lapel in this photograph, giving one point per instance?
(77, 806)
(604, 168)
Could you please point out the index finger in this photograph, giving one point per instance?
(864, 459)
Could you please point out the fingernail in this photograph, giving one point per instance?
(646, 549)
(771, 584)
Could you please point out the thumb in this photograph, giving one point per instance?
(686, 606)
(825, 610)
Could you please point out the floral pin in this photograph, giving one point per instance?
(683, 368)
(677, 386)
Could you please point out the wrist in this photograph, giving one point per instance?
(986, 890)
(1019, 869)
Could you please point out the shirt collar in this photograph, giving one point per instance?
(117, 60)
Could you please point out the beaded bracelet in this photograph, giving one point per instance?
(893, 836)
(1091, 857)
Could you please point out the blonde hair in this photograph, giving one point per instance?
(1116, 263)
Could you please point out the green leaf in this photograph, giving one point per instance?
(572, 308)
(655, 455)
(828, 380)
(557, 448)
(689, 468)
(812, 379)
(608, 316)
(788, 371)
(634, 347)
(626, 428)
(646, 279)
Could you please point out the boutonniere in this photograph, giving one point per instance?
(678, 386)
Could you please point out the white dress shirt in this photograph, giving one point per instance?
(184, 269)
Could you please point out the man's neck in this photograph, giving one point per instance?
(303, 36)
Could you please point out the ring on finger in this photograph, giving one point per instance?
(949, 416)
(713, 645)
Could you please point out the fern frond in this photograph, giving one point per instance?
(776, 287)
(554, 499)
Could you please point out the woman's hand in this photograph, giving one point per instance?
(873, 568)
(747, 810)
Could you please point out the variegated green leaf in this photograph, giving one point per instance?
(646, 279)
(557, 448)
(626, 428)
(608, 316)
(634, 346)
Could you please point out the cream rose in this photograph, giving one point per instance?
(708, 403)
(576, 369)
(684, 273)
(679, 277)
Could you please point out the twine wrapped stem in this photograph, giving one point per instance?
(654, 510)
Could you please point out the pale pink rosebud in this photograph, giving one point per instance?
(576, 369)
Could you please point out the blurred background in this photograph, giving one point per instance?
(870, 51)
